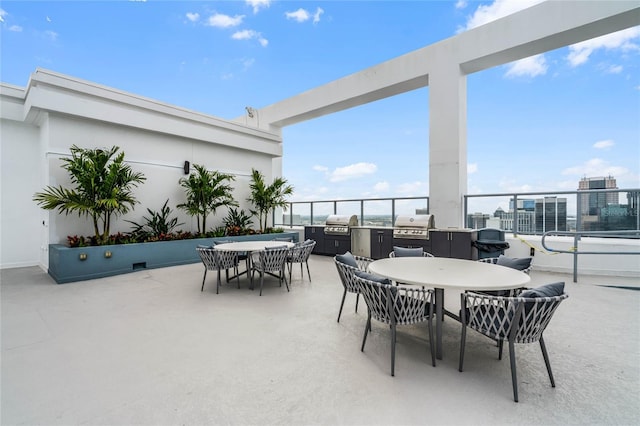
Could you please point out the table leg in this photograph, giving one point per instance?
(439, 315)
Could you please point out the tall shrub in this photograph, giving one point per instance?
(265, 198)
(206, 191)
(103, 186)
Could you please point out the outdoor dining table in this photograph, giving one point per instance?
(442, 273)
(250, 247)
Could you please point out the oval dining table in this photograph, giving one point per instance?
(442, 273)
(250, 247)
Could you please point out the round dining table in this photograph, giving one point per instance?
(442, 273)
(250, 247)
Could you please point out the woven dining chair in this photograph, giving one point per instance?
(519, 319)
(347, 264)
(270, 260)
(300, 254)
(218, 260)
(396, 305)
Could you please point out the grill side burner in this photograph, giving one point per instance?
(413, 227)
(340, 225)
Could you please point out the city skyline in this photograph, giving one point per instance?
(539, 124)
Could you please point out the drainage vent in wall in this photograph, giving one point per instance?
(141, 265)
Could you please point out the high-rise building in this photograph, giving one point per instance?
(592, 203)
(551, 214)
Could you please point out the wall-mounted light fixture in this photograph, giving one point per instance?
(107, 254)
(82, 256)
(186, 167)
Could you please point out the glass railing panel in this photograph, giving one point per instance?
(377, 213)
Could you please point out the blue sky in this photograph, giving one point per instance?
(536, 125)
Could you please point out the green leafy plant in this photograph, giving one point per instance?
(206, 191)
(103, 186)
(159, 225)
(237, 222)
(266, 198)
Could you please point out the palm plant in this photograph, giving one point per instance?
(103, 188)
(157, 225)
(266, 198)
(206, 191)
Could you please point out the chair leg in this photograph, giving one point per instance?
(357, 298)
(367, 328)
(261, 282)
(203, 278)
(342, 303)
(500, 345)
(218, 281)
(308, 272)
(546, 361)
(393, 349)
(514, 375)
(290, 269)
(237, 275)
(284, 277)
(463, 339)
(432, 346)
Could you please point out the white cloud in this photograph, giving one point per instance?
(509, 185)
(48, 19)
(258, 4)
(299, 15)
(244, 35)
(498, 9)
(3, 13)
(381, 186)
(412, 189)
(51, 35)
(595, 167)
(614, 69)
(461, 4)
(605, 144)
(248, 35)
(316, 16)
(320, 168)
(193, 17)
(472, 168)
(529, 67)
(622, 40)
(352, 171)
(224, 21)
(15, 28)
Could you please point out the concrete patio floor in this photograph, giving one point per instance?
(148, 348)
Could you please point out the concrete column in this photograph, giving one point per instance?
(447, 142)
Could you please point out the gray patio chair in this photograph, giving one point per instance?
(519, 319)
(218, 260)
(270, 261)
(409, 252)
(521, 264)
(347, 264)
(393, 305)
(300, 254)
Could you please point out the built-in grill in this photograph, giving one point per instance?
(340, 225)
(413, 227)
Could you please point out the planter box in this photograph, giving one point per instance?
(84, 263)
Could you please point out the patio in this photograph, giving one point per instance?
(150, 348)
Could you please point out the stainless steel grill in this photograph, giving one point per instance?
(414, 227)
(340, 225)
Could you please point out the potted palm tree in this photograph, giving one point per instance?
(206, 192)
(103, 186)
(266, 198)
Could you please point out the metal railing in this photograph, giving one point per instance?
(575, 251)
(534, 213)
(370, 211)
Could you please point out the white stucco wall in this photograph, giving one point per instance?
(40, 124)
(20, 218)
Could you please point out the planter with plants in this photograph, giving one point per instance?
(102, 190)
